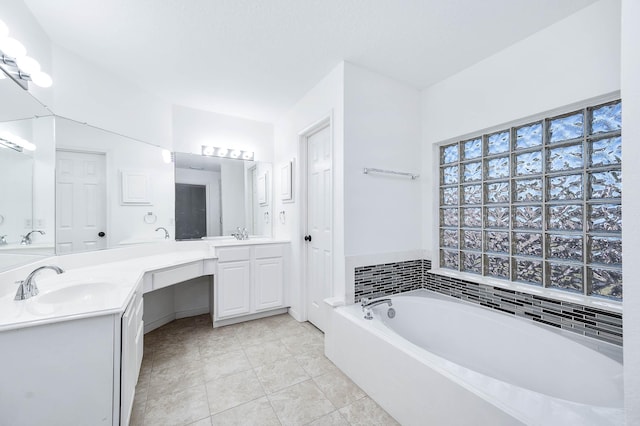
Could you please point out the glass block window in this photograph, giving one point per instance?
(539, 204)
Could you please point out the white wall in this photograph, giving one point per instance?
(573, 60)
(125, 222)
(326, 99)
(381, 130)
(193, 128)
(86, 93)
(631, 206)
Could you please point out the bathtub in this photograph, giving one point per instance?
(447, 362)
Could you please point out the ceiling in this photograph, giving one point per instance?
(256, 58)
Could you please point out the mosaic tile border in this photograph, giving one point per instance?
(393, 278)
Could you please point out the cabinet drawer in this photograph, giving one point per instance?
(232, 254)
(176, 275)
(269, 250)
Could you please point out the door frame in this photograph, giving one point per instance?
(303, 136)
(108, 185)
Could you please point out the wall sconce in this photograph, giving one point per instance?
(9, 140)
(214, 151)
(16, 64)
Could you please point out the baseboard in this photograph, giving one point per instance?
(192, 312)
(296, 315)
(243, 318)
(152, 325)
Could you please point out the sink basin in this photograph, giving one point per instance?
(85, 292)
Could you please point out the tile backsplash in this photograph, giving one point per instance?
(398, 277)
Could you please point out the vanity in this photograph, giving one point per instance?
(72, 354)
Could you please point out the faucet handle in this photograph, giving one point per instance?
(364, 301)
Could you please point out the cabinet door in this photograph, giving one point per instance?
(129, 371)
(233, 289)
(269, 284)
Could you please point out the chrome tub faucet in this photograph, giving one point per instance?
(28, 287)
(367, 304)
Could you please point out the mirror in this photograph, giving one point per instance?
(111, 190)
(26, 196)
(216, 196)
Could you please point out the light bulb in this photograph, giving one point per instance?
(235, 154)
(222, 152)
(25, 144)
(247, 155)
(28, 65)
(207, 150)
(4, 30)
(12, 47)
(166, 156)
(41, 79)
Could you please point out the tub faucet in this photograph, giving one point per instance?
(28, 287)
(166, 233)
(367, 304)
(26, 239)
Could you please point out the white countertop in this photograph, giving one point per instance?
(122, 269)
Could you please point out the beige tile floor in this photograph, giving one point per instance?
(270, 371)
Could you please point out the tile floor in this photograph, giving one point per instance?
(270, 371)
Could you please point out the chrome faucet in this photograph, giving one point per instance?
(367, 304)
(26, 239)
(166, 233)
(3, 240)
(241, 234)
(28, 287)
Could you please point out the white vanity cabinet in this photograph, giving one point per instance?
(249, 281)
(75, 372)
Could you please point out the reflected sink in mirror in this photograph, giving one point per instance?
(77, 293)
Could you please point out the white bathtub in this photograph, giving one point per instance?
(442, 361)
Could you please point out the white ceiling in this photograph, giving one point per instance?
(256, 58)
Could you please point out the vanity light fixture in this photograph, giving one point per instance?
(16, 64)
(14, 142)
(214, 151)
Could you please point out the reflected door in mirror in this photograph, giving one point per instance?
(191, 211)
(80, 202)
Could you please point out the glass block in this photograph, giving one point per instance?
(606, 152)
(567, 187)
(564, 158)
(498, 143)
(606, 184)
(449, 238)
(472, 262)
(450, 154)
(498, 266)
(607, 118)
(473, 172)
(529, 136)
(497, 192)
(498, 168)
(605, 250)
(449, 217)
(529, 163)
(473, 149)
(497, 217)
(450, 175)
(529, 271)
(472, 217)
(565, 217)
(566, 277)
(606, 282)
(497, 241)
(473, 194)
(528, 190)
(529, 217)
(565, 128)
(527, 244)
(449, 259)
(605, 217)
(450, 196)
(472, 240)
(565, 247)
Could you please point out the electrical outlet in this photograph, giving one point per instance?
(27, 223)
(42, 223)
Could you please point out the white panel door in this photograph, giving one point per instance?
(268, 289)
(80, 202)
(319, 225)
(233, 289)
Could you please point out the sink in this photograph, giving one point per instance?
(83, 293)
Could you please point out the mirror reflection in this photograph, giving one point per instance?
(219, 196)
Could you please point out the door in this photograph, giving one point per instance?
(319, 225)
(233, 288)
(268, 284)
(81, 204)
(191, 211)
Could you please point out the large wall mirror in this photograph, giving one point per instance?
(217, 196)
